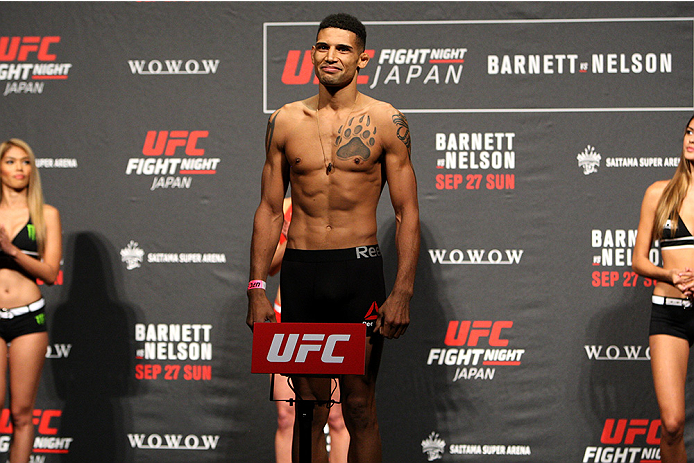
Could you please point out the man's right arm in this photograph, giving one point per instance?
(267, 223)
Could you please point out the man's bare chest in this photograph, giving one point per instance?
(352, 145)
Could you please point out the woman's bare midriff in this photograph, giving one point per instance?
(16, 290)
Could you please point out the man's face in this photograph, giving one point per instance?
(337, 57)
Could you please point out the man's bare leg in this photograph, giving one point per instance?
(358, 395)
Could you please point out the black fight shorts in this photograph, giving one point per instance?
(672, 316)
(333, 286)
(32, 322)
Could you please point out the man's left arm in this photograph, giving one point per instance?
(394, 315)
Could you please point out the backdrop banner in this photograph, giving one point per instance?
(536, 129)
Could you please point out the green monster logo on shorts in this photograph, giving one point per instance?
(41, 319)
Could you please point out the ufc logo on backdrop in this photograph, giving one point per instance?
(19, 48)
(624, 433)
(309, 348)
(298, 68)
(42, 420)
(469, 333)
(166, 143)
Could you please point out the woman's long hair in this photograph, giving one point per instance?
(34, 193)
(671, 200)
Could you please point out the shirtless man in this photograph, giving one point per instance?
(337, 150)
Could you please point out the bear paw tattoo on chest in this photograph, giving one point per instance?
(356, 139)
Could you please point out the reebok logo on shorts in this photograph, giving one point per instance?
(371, 315)
(364, 252)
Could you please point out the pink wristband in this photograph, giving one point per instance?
(257, 284)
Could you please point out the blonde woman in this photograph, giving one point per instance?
(667, 215)
(30, 248)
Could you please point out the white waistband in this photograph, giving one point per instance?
(17, 311)
(672, 301)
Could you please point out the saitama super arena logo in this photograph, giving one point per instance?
(171, 158)
(475, 349)
(589, 160)
(134, 256)
(434, 447)
(26, 63)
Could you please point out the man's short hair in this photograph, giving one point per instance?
(346, 22)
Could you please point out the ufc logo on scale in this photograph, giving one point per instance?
(305, 347)
(309, 348)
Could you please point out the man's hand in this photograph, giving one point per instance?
(393, 317)
(260, 309)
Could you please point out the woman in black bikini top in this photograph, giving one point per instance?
(667, 206)
(30, 248)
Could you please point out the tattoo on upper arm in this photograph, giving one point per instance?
(403, 130)
(270, 130)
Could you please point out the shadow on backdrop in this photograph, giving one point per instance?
(99, 369)
(237, 399)
(411, 405)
